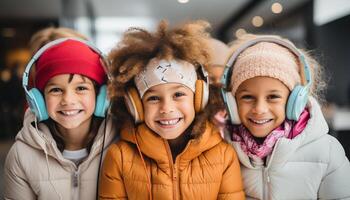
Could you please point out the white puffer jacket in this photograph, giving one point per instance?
(36, 169)
(313, 165)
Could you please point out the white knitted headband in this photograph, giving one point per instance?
(160, 71)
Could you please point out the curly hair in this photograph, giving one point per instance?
(138, 47)
(319, 83)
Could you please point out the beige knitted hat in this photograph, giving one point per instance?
(266, 59)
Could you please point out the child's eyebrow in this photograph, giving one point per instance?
(178, 87)
(244, 90)
(273, 91)
(84, 82)
(149, 91)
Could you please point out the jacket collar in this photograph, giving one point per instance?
(42, 139)
(155, 147)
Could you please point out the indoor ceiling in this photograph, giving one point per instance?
(112, 17)
(216, 12)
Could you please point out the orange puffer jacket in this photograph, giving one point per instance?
(208, 168)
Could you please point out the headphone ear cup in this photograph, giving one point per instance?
(201, 95)
(37, 104)
(134, 104)
(296, 102)
(102, 102)
(205, 95)
(232, 108)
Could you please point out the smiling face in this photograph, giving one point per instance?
(169, 109)
(261, 104)
(70, 103)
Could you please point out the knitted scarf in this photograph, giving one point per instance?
(289, 129)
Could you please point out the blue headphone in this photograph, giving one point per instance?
(36, 100)
(297, 99)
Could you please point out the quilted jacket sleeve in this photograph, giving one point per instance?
(336, 183)
(16, 185)
(231, 185)
(111, 185)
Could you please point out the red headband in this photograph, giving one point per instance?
(69, 57)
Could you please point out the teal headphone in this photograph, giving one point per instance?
(36, 100)
(297, 99)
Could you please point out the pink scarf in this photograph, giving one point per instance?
(289, 129)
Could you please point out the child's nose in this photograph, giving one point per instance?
(166, 106)
(260, 107)
(68, 98)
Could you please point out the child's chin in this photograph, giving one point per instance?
(259, 133)
(168, 135)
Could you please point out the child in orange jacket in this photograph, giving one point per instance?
(168, 149)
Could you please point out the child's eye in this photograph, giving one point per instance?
(179, 94)
(55, 90)
(247, 97)
(273, 97)
(152, 98)
(81, 88)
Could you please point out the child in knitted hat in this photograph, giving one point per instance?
(57, 153)
(279, 132)
(168, 149)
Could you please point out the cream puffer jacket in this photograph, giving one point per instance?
(36, 169)
(313, 165)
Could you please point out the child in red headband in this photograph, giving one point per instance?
(57, 153)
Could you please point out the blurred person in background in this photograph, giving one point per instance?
(42, 37)
(220, 54)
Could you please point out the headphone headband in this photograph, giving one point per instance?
(225, 80)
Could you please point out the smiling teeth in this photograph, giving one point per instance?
(70, 112)
(260, 121)
(169, 122)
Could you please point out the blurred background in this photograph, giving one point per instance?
(321, 26)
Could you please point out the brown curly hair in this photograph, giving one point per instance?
(138, 47)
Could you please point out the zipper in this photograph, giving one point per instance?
(75, 183)
(75, 179)
(175, 181)
(266, 183)
(172, 167)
